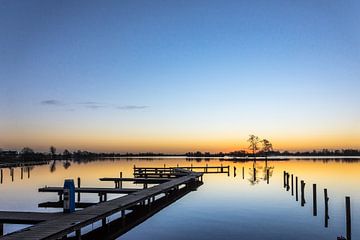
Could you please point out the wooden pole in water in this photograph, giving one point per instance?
(28, 172)
(12, 174)
(234, 171)
(348, 218)
(287, 182)
(1, 176)
(267, 176)
(254, 174)
(302, 193)
(207, 167)
(120, 182)
(284, 179)
(243, 172)
(1, 229)
(79, 185)
(314, 200)
(22, 173)
(292, 185)
(296, 190)
(326, 199)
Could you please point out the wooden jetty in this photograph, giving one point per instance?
(60, 225)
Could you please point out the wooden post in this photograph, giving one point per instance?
(1, 229)
(206, 168)
(243, 172)
(284, 179)
(103, 222)
(292, 185)
(326, 199)
(254, 174)
(222, 170)
(28, 172)
(234, 171)
(1, 176)
(302, 183)
(296, 190)
(314, 200)
(120, 182)
(79, 186)
(348, 218)
(287, 181)
(22, 173)
(12, 174)
(78, 234)
(267, 176)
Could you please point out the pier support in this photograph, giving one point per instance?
(78, 185)
(292, 185)
(287, 181)
(284, 179)
(243, 172)
(1, 229)
(78, 234)
(267, 176)
(1, 176)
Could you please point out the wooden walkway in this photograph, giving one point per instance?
(63, 224)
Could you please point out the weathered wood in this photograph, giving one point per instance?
(67, 223)
(26, 217)
(296, 189)
(326, 199)
(137, 180)
(92, 190)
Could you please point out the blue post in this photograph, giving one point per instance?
(69, 196)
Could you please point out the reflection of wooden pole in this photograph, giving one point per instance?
(302, 193)
(297, 190)
(292, 185)
(326, 199)
(348, 218)
(314, 200)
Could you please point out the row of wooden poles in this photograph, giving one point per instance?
(287, 183)
(12, 174)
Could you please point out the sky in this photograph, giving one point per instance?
(178, 76)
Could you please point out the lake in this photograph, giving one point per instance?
(226, 206)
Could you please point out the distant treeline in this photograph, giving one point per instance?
(29, 154)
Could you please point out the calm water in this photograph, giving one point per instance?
(224, 207)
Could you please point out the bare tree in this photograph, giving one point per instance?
(254, 141)
(52, 151)
(266, 147)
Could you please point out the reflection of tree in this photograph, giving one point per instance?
(66, 164)
(258, 173)
(53, 166)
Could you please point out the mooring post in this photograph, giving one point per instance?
(12, 174)
(292, 185)
(296, 190)
(254, 174)
(326, 199)
(79, 186)
(22, 173)
(302, 193)
(1, 229)
(120, 182)
(206, 168)
(28, 172)
(267, 176)
(222, 168)
(348, 218)
(287, 181)
(1, 176)
(234, 171)
(284, 179)
(314, 200)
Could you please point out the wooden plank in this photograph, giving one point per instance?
(67, 223)
(26, 217)
(92, 190)
(137, 180)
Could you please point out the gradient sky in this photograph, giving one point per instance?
(177, 76)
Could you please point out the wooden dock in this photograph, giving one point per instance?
(66, 223)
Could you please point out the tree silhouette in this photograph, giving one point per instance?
(66, 154)
(266, 147)
(52, 150)
(254, 141)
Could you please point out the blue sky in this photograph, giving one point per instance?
(179, 75)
